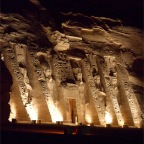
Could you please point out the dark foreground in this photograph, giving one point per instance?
(57, 134)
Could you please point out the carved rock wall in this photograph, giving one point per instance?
(76, 74)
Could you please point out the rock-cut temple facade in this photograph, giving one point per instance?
(73, 80)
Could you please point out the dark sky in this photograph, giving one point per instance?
(130, 11)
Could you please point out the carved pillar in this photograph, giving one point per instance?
(128, 92)
(93, 90)
(111, 88)
(20, 50)
(46, 91)
(11, 60)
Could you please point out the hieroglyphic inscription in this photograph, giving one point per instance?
(79, 110)
(128, 90)
(40, 74)
(62, 67)
(92, 87)
(111, 87)
(44, 86)
(20, 79)
(130, 96)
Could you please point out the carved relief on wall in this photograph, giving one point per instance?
(15, 67)
(18, 65)
(55, 71)
(93, 90)
(110, 74)
(20, 50)
(129, 91)
(42, 66)
(62, 68)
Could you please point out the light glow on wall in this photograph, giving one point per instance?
(88, 118)
(121, 124)
(13, 112)
(108, 118)
(54, 112)
(59, 115)
(32, 112)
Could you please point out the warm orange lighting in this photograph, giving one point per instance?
(108, 118)
(32, 112)
(76, 120)
(88, 118)
(13, 111)
(12, 116)
(121, 123)
(138, 125)
(54, 111)
(88, 124)
(59, 116)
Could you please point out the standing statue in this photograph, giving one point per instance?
(49, 79)
(97, 81)
(79, 76)
(102, 99)
(100, 91)
(81, 88)
(51, 85)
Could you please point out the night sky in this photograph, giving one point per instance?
(129, 11)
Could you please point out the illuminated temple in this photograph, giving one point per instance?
(88, 71)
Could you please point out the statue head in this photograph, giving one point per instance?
(79, 76)
(48, 72)
(97, 79)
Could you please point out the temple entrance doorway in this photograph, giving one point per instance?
(73, 110)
